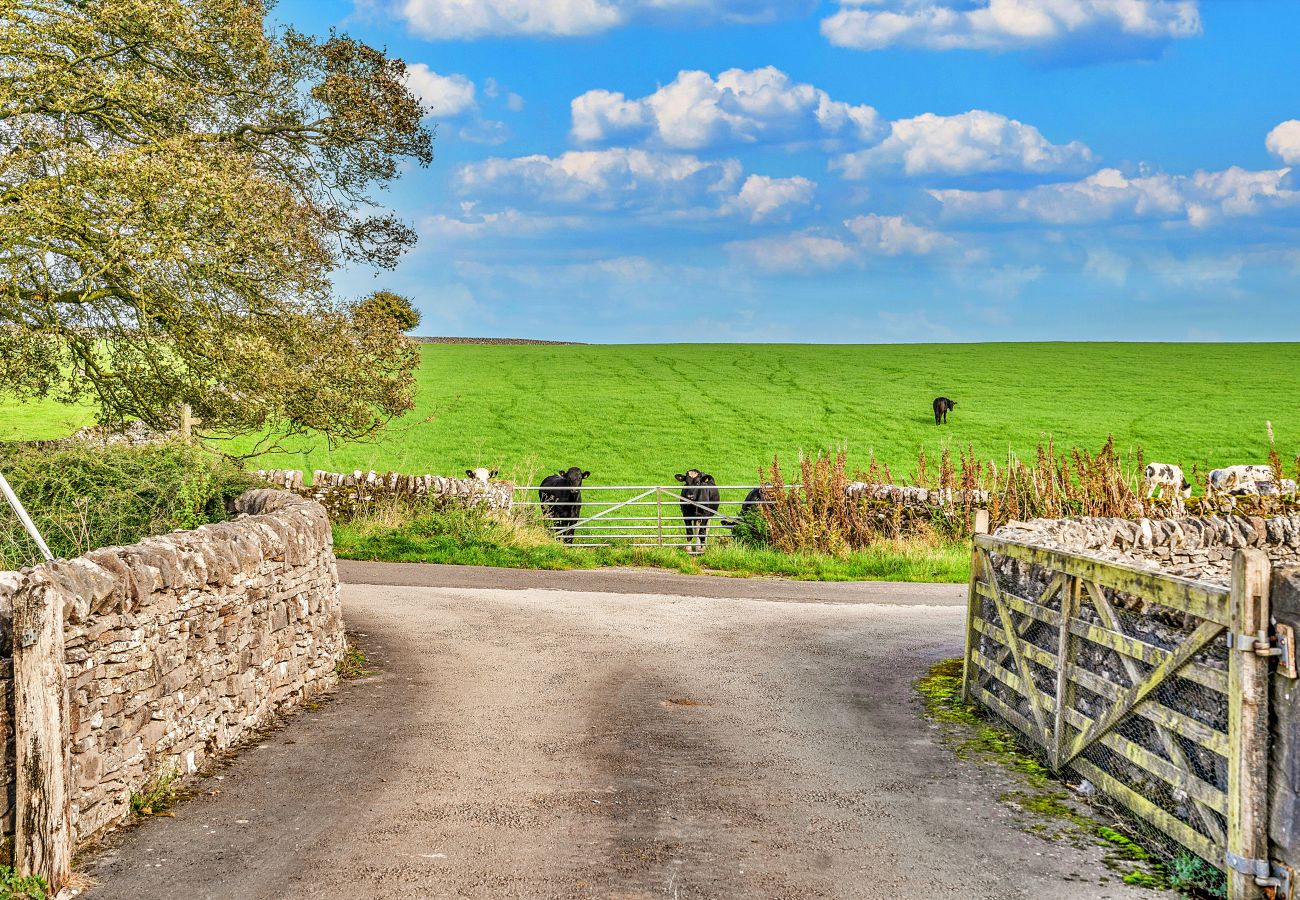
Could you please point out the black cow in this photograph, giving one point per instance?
(941, 407)
(753, 502)
(700, 500)
(562, 500)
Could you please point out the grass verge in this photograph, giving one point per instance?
(472, 537)
(1053, 811)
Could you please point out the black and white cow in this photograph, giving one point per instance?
(700, 500)
(1166, 480)
(1243, 480)
(561, 499)
(942, 406)
(481, 474)
(754, 501)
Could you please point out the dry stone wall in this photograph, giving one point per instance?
(918, 497)
(343, 494)
(178, 646)
(1200, 548)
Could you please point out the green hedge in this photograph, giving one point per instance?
(82, 496)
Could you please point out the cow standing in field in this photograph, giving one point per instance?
(700, 500)
(481, 474)
(942, 406)
(1249, 480)
(561, 499)
(1167, 480)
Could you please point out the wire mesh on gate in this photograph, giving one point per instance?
(644, 515)
(1163, 759)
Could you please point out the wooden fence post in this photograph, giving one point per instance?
(188, 421)
(973, 602)
(43, 821)
(1070, 589)
(1248, 727)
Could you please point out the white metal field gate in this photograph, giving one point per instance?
(1169, 723)
(642, 515)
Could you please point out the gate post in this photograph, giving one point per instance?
(973, 603)
(1247, 852)
(42, 823)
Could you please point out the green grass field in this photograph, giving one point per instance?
(636, 414)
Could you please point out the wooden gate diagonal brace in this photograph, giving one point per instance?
(1134, 694)
(1170, 744)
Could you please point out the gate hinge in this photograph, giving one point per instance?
(1265, 874)
(1260, 645)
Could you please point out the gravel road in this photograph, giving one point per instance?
(612, 735)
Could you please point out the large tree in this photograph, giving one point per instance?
(177, 182)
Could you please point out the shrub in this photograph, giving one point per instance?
(751, 530)
(816, 516)
(83, 497)
(21, 887)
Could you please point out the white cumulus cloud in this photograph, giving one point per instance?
(482, 18)
(763, 198)
(895, 236)
(469, 19)
(1284, 142)
(862, 237)
(1000, 25)
(972, 142)
(442, 95)
(604, 180)
(1200, 199)
(696, 110)
(801, 252)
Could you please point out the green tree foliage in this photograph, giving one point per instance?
(392, 306)
(177, 183)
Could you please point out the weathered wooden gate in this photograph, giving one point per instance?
(1153, 688)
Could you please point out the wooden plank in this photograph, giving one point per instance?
(1006, 676)
(1053, 586)
(1174, 776)
(1064, 687)
(1153, 815)
(1033, 695)
(1248, 720)
(1150, 709)
(1131, 696)
(1157, 713)
(43, 826)
(1215, 679)
(972, 612)
(1205, 601)
(1101, 603)
(1160, 768)
(1021, 605)
(1019, 722)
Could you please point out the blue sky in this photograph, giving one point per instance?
(847, 170)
